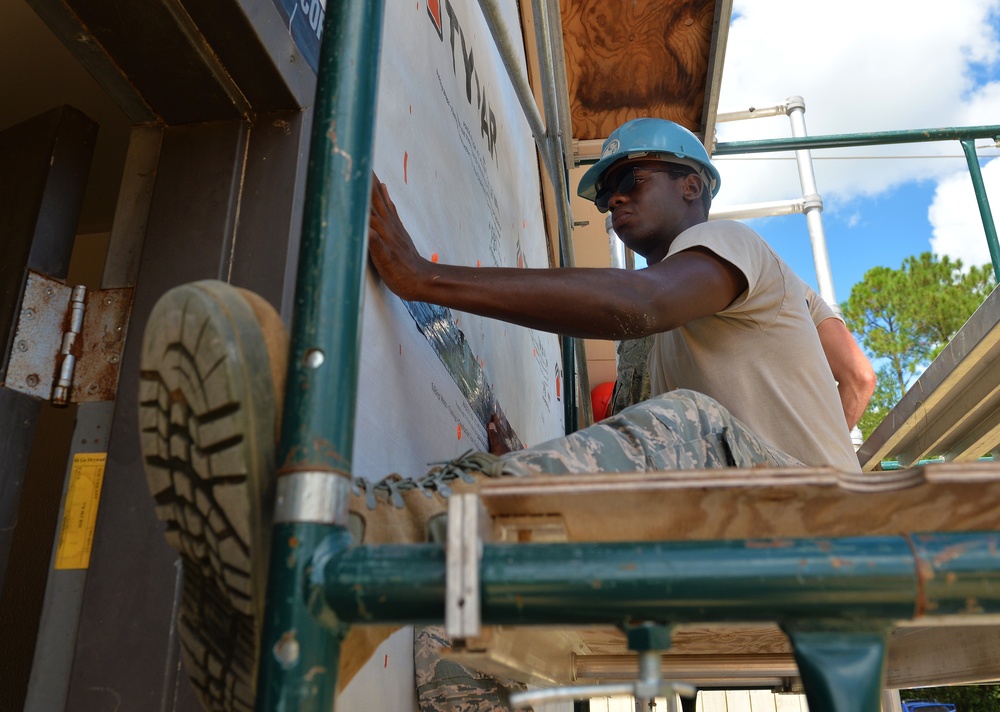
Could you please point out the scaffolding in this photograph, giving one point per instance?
(321, 583)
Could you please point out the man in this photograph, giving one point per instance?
(726, 316)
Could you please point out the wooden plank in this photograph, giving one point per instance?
(750, 504)
(918, 656)
(790, 703)
(738, 701)
(537, 656)
(722, 639)
(943, 655)
(712, 701)
(762, 701)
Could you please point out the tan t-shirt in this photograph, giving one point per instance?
(761, 356)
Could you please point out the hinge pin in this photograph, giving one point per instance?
(60, 394)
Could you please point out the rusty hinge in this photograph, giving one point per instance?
(68, 342)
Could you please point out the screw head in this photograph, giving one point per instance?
(32, 380)
(22, 346)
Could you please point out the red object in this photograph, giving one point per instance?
(600, 399)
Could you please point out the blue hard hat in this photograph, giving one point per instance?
(651, 138)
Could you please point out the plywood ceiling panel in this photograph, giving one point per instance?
(627, 59)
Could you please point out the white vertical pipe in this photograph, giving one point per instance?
(814, 204)
(814, 220)
(891, 701)
(616, 246)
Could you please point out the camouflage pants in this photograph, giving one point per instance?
(680, 430)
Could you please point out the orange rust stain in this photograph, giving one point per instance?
(406, 159)
(924, 574)
(479, 263)
(301, 457)
(628, 567)
(434, 257)
(293, 542)
(950, 554)
(314, 671)
(459, 430)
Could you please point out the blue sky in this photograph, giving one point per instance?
(866, 65)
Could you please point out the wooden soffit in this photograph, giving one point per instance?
(635, 58)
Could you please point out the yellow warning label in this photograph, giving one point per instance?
(76, 535)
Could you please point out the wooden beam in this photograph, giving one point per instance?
(751, 504)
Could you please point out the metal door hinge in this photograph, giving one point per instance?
(68, 341)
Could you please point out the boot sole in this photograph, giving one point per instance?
(207, 413)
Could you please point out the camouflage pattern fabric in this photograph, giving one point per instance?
(680, 430)
(632, 382)
(446, 686)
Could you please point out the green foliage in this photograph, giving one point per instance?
(967, 698)
(904, 318)
(887, 394)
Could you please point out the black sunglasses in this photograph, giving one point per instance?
(626, 183)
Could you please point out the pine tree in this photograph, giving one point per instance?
(904, 318)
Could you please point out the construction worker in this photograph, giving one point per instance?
(744, 369)
(736, 354)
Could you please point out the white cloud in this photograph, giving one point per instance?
(860, 65)
(954, 215)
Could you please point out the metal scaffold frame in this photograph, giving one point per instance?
(321, 583)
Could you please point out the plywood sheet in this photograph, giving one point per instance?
(641, 58)
(749, 504)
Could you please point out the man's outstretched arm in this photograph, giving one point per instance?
(588, 303)
(853, 372)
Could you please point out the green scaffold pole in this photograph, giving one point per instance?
(299, 658)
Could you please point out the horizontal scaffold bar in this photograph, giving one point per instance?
(781, 580)
(874, 138)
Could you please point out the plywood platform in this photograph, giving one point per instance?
(740, 504)
(746, 504)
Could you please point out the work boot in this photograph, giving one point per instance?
(212, 371)
(210, 398)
